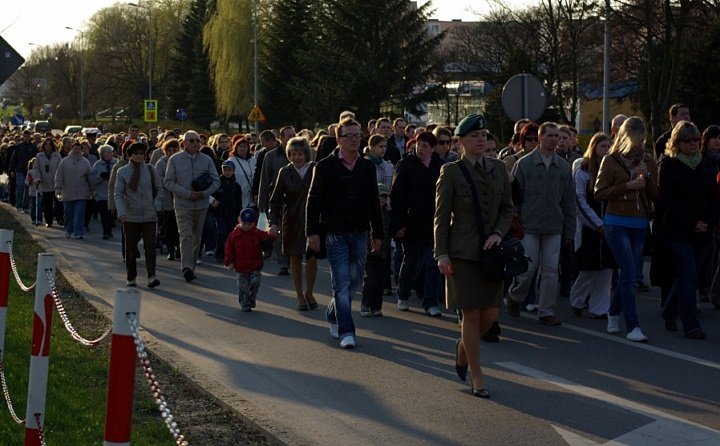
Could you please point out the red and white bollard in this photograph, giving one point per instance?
(39, 359)
(121, 380)
(5, 236)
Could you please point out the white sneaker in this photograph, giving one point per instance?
(531, 308)
(209, 253)
(613, 325)
(636, 335)
(377, 313)
(434, 312)
(348, 342)
(334, 331)
(403, 305)
(365, 311)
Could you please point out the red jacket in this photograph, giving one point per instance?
(243, 249)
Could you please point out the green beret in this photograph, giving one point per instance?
(469, 124)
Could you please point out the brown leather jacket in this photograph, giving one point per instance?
(611, 187)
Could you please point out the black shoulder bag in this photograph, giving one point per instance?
(501, 262)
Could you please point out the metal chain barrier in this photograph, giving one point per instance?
(61, 310)
(41, 431)
(15, 270)
(152, 382)
(6, 392)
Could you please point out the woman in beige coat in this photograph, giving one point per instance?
(459, 242)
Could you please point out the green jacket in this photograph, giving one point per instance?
(455, 227)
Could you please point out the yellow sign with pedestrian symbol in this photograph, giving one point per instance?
(256, 115)
(151, 110)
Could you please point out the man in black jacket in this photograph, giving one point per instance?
(396, 143)
(343, 202)
(17, 169)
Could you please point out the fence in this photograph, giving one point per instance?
(126, 346)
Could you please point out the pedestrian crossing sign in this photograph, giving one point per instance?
(151, 110)
(256, 114)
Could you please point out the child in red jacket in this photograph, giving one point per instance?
(243, 253)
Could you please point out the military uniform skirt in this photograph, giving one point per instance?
(468, 289)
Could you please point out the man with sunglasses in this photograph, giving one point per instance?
(191, 205)
(343, 205)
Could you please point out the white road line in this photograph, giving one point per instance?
(648, 347)
(666, 429)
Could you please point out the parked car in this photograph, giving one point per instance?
(87, 130)
(72, 129)
(42, 126)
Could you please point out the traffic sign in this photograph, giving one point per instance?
(182, 114)
(151, 110)
(256, 114)
(523, 96)
(10, 60)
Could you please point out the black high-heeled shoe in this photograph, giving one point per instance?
(461, 370)
(480, 393)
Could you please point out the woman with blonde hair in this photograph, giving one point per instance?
(687, 213)
(627, 183)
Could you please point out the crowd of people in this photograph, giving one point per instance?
(396, 208)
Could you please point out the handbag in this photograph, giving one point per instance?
(202, 183)
(501, 262)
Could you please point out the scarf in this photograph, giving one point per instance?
(691, 161)
(377, 161)
(135, 179)
(635, 162)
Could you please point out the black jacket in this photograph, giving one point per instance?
(229, 194)
(686, 196)
(341, 200)
(412, 197)
(23, 153)
(392, 153)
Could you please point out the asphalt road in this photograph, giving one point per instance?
(572, 384)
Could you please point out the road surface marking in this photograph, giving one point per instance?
(666, 429)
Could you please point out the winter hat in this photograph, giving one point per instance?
(248, 215)
(228, 163)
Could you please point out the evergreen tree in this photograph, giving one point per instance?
(190, 85)
(365, 54)
(283, 72)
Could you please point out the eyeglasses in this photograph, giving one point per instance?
(689, 140)
(192, 140)
(351, 135)
(531, 138)
(444, 141)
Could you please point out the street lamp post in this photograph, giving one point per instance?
(82, 72)
(606, 72)
(255, 56)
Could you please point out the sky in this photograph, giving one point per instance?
(43, 22)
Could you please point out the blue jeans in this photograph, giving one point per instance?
(682, 298)
(419, 259)
(346, 254)
(21, 191)
(626, 245)
(74, 218)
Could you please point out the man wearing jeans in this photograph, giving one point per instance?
(544, 191)
(343, 202)
(190, 205)
(17, 168)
